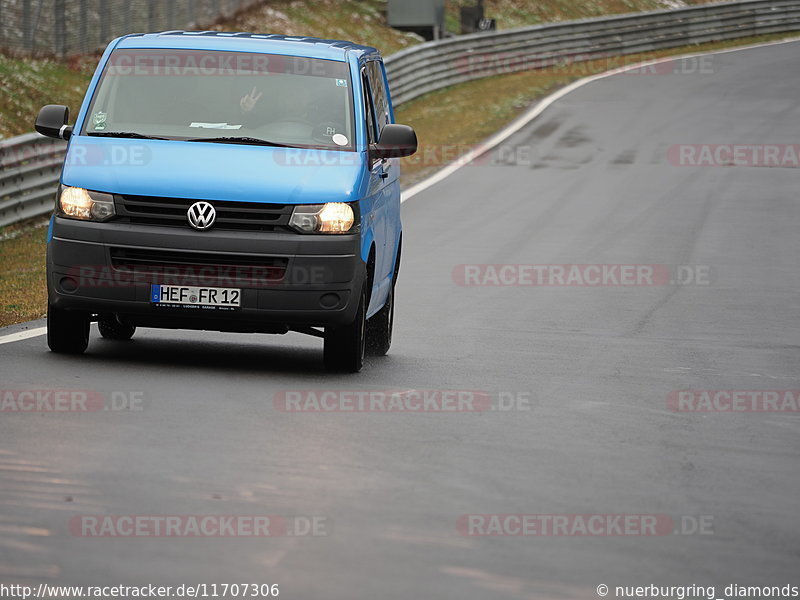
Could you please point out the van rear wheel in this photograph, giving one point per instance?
(112, 328)
(67, 331)
(344, 344)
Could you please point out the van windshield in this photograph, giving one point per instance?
(233, 97)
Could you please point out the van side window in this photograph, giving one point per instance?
(372, 137)
(379, 93)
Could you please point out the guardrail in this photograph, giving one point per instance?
(29, 169)
(30, 164)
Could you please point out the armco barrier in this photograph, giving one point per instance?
(29, 164)
(29, 169)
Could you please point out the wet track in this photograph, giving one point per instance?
(589, 182)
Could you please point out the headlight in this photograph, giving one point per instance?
(78, 203)
(333, 217)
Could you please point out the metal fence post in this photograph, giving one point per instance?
(151, 16)
(60, 26)
(35, 25)
(84, 16)
(27, 27)
(128, 24)
(104, 34)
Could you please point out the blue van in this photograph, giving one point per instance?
(229, 182)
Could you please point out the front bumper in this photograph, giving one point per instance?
(287, 280)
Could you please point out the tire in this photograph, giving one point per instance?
(67, 332)
(379, 328)
(344, 344)
(112, 329)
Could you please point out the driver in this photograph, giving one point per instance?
(320, 114)
(281, 108)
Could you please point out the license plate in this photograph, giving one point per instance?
(187, 295)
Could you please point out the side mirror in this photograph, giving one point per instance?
(52, 122)
(396, 141)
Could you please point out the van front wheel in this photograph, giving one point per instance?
(344, 344)
(379, 328)
(67, 331)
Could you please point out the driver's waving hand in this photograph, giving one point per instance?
(248, 101)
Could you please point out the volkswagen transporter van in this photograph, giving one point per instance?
(230, 182)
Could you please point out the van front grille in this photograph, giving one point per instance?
(243, 216)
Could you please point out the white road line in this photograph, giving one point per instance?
(23, 335)
(543, 104)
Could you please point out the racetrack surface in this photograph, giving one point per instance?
(588, 182)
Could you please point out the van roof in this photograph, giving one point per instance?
(309, 47)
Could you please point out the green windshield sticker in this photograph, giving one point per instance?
(99, 120)
(341, 83)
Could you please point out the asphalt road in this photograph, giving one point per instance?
(590, 183)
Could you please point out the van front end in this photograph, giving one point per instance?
(241, 279)
(229, 183)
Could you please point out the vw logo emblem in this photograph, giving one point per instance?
(201, 215)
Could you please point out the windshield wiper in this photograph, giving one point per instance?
(124, 134)
(240, 140)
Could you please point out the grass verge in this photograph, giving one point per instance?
(27, 84)
(23, 292)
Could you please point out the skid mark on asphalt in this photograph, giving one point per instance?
(572, 151)
(545, 130)
(624, 158)
(575, 137)
(694, 228)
